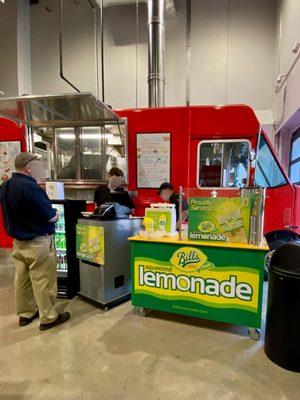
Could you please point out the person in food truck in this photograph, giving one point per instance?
(167, 194)
(101, 195)
(29, 218)
(116, 183)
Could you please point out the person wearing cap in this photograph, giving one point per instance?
(167, 194)
(29, 218)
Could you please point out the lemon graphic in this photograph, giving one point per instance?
(83, 247)
(206, 226)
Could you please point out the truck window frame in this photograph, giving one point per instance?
(257, 164)
(295, 137)
(220, 141)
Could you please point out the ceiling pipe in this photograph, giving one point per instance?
(156, 52)
(61, 61)
(102, 53)
(188, 53)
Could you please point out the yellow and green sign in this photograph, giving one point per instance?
(220, 219)
(90, 243)
(163, 219)
(218, 283)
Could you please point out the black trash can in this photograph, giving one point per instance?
(282, 339)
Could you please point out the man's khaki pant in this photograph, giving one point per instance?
(35, 279)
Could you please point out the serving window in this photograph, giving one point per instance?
(223, 164)
(81, 153)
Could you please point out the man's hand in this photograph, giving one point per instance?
(54, 219)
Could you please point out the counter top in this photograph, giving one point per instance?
(175, 240)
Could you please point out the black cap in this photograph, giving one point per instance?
(165, 185)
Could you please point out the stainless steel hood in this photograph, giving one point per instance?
(75, 109)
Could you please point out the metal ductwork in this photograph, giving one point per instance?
(156, 52)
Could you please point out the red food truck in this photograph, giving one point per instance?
(219, 148)
(211, 148)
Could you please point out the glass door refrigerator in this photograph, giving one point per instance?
(65, 242)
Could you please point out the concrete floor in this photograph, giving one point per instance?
(116, 355)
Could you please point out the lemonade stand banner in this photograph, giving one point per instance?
(220, 219)
(217, 283)
(90, 243)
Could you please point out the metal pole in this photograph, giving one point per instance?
(188, 53)
(78, 152)
(180, 212)
(102, 53)
(156, 52)
(136, 52)
(95, 10)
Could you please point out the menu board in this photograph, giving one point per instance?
(8, 153)
(153, 159)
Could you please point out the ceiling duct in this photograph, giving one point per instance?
(170, 5)
(156, 53)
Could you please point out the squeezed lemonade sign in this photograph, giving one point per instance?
(191, 282)
(90, 243)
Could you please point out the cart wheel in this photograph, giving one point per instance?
(254, 334)
(140, 311)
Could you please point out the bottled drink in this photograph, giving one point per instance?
(63, 238)
(65, 262)
(162, 223)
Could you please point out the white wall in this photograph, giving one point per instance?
(287, 101)
(8, 48)
(15, 66)
(78, 47)
(233, 51)
(125, 63)
(288, 33)
(23, 47)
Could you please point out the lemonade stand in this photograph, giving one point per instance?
(215, 273)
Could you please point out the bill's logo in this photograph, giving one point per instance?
(190, 259)
(206, 227)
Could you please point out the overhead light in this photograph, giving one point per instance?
(2, 1)
(70, 136)
(37, 138)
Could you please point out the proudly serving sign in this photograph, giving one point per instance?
(220, 219)
(216, 283)
(90, 243)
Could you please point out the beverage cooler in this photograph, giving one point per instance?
(65, 242)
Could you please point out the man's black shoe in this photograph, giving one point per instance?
(61, 318)
(26, 321)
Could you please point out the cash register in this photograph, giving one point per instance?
(116, 208)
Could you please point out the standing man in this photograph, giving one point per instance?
(167, 194)
(29, 218)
